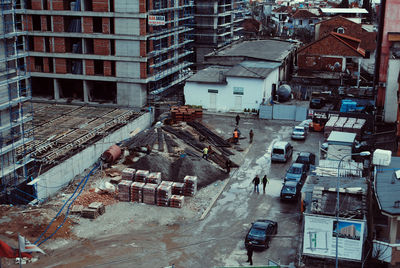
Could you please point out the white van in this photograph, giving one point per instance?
(281, 151)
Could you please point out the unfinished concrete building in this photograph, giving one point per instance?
(119, 52)
(217, 23)
(15, 113)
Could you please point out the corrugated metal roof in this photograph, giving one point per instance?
(251, 72)
(387, 187)
(340, 137)
(270, 50)
(213, 74)
(345, 10)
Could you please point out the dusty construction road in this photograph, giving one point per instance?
(218, 240)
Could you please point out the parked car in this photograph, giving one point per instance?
(306, 123)
(281, 151)
(296, 172)
(299, 133)
(260, 233)
(306, 158)
(290, 190)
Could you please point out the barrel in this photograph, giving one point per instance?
(112, 154)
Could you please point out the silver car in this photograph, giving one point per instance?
(299, 133)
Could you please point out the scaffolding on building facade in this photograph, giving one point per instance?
(16, 129)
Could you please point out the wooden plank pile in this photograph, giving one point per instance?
(141, 175)
(190, 187)
(154, 177)
(128, 174)
(137, 191)
(77, 210)
(90, 213)
(149, 193)
(346, 124)
(177, 188)
(163, 195)
(176, 201)
(185, 113)
(124, 190)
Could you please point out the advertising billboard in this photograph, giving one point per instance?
(156, 20)
(320, 233)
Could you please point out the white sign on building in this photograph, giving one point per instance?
(319, 237)
(156, 20)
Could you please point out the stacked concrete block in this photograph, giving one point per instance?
(141, 175)
(124, 191)
(163, 195)
(128, 174)
(154, 177)
(90, 213)
(137, 191)
(177, 188)
(149, 194)
(176, 201)
(101, 209)
(190, 187)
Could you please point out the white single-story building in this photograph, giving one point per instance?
(243, 86)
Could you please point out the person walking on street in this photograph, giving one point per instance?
(237, 119)
(228, 165)
(251, 134)
(205, 153)
(264, 182)
(256, 182)
(250, 254)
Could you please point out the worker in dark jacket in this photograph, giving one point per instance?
(228, 165)
(251, 134)
(237, 119)
(264, 182)
(256, 182)
(250, 254)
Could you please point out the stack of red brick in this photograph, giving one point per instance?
(185, 113)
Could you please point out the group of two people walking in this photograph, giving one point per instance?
(256, 182)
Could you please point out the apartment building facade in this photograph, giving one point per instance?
(119, 52)
(15, 111)
(217, 23)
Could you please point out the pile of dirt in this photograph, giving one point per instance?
(175, 169)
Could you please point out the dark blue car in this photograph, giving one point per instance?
(296, 172)
(260, 233)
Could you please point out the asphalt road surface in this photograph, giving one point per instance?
(218, 239)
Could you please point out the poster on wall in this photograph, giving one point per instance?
(320, 233)
(156, 20)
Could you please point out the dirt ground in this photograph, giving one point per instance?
(32, 221)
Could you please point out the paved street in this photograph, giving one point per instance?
(218, 240)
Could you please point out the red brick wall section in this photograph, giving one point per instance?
(43, 23)
(142, 6)
(319, 63)
(87, 25)
(58, 5)
(38, 43)
(36, 4)
(143, 70)
(89, 67)
(107, 68)
(59, 45)
(61, 66)
(106, 25)
(46, 67)
(31, 64)
(58, 24)
(28, 24)
(100, 5)
(142, 26)
(143, 51)
(101, 46)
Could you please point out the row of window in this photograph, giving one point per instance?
(236, 91)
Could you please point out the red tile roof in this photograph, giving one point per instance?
(368, 39)
(334, 44)
(303, 13)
